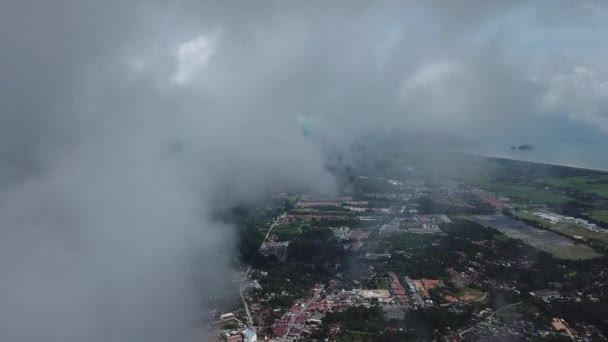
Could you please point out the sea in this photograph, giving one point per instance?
(571, 144)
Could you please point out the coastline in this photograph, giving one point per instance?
(499, 157)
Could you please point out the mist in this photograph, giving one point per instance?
(125, 125)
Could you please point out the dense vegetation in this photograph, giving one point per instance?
(358, 319)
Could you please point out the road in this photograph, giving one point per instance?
(242, 287)
(293, 319)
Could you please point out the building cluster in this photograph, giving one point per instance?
(424, 285)
(396, 289)
(561, 325)
(248, 335)
(233, 330)
(276, 248)
(342, 202)
(346, 233)
(491, 328)
(378, 219)
(305, 316)
(546, 295)
(415, 295)
(556, 219)
(459, 279)
(424, 224)
(419, 290)
(417, 224)
(453, 203)
(308, 217)
(495, 203)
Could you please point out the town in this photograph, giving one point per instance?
(399, 257)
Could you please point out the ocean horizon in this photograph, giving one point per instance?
(574, 145)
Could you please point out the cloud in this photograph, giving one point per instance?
(581, 93)
(192, 58)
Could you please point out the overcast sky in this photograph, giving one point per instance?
(125, 124)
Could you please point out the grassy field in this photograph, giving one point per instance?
(476, 179)
(304, 211)
(285, 233)
(500, 237)
(535, 195)
(580, 184)
(529, 194)
(576, 252)
(293, 198)
(355, 336)
(321, 212)
(382, 284)
(517, 191)
(600, 215)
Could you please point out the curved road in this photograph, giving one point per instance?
(242, 287)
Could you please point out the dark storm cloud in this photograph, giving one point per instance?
(124, 125)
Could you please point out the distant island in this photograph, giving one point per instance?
(524, 147)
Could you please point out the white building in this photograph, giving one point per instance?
(227, 317)
(249, 335)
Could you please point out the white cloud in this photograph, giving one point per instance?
(581, 93)
(192, 58)
(429, 75)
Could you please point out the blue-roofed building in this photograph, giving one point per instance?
(250, 335)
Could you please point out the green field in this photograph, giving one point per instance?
(293, 198)
(519, 192)
(304, 211)
(500, 237)
(355, 336)
(285, 233)
(580, 184)
(576, 252)
(382, 284)
(531, 194)
(528, 194)
(600, 215)
(476, 179)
